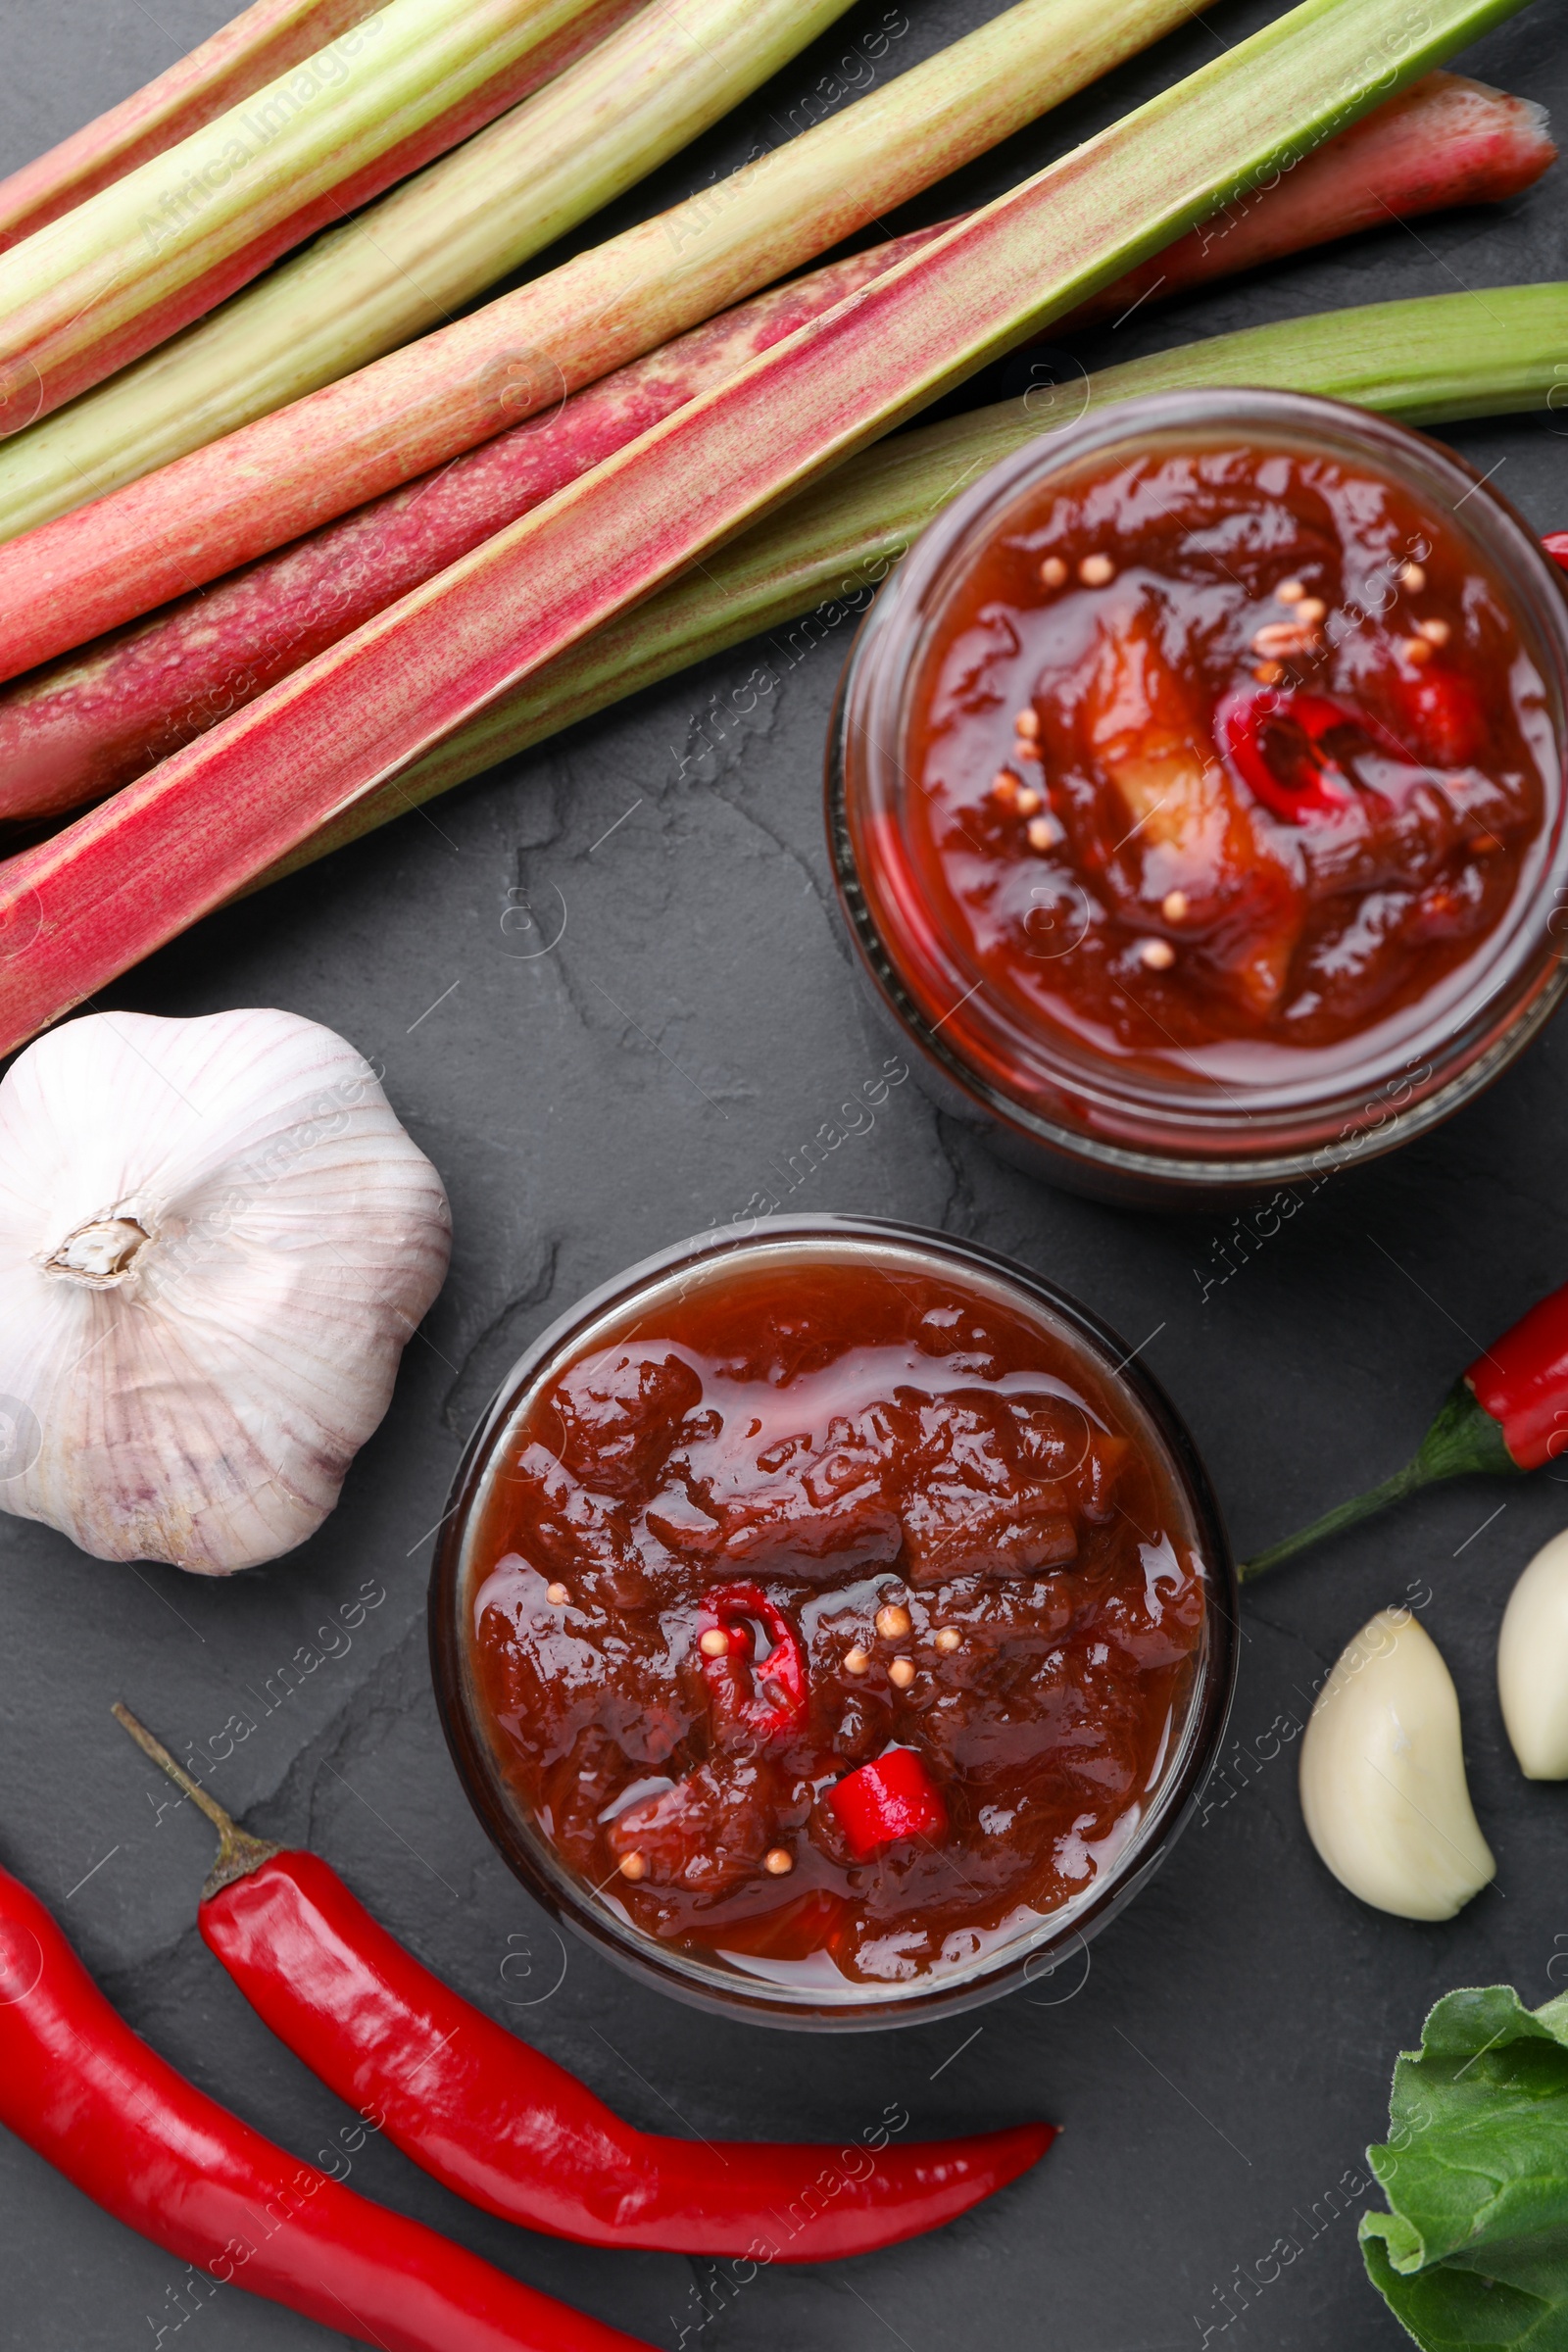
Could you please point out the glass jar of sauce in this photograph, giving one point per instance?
(1196, 795)
(833, 1622)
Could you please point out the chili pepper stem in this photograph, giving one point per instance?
(1345, 1514)
(238, 1852)
(1463, 1441)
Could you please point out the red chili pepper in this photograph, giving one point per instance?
(508, 2129)
(1521, 1383)
(1277, 741)
(893, 1797)
(1444, 711)
(769, 1700)
(90, 2098)
(1508, 1412)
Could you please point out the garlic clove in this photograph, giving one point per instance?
(1532, 1664)
(215, 1241)
(1383, 1786)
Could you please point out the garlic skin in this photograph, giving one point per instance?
(215, 1239)
(1383, 1786)
(1533, 1665)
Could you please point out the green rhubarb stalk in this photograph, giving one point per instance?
(145, 256)
(1427, 361)
(239, 58)
(136, 871)
(423, 252)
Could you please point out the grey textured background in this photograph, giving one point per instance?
(1228, 2058)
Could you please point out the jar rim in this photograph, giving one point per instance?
(1446, 1048)
(1032, 1954)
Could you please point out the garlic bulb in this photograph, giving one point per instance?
(1533, 1665)
(215, 1239)
(1383, 1786)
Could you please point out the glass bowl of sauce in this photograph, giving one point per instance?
(833, 1623)
(1196, 795)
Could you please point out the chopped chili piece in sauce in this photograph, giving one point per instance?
(884, 1616)
(889, 1800)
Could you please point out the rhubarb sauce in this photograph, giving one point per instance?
(835, 1616)
(1219, 759)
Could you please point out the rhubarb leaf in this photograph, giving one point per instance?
(1474, 2250)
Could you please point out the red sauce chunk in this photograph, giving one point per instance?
(1228, 748)
(834, 1608)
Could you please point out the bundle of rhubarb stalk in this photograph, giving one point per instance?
(298, 529)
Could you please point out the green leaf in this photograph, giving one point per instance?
(1473, 2251)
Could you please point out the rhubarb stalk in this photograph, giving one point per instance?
(158, 248)
(257, 46)
(95, 720)
(87, 724)
(135, 872)
(1428, 361)
(1443, 141)
(429, 247)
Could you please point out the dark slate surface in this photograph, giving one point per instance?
(1227, 2060)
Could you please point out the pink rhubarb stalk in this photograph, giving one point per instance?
(1443, 141)
(167, 242)
(238, 60)
(93, 721)
(137, 870)
(89, 723)
(287, 473)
